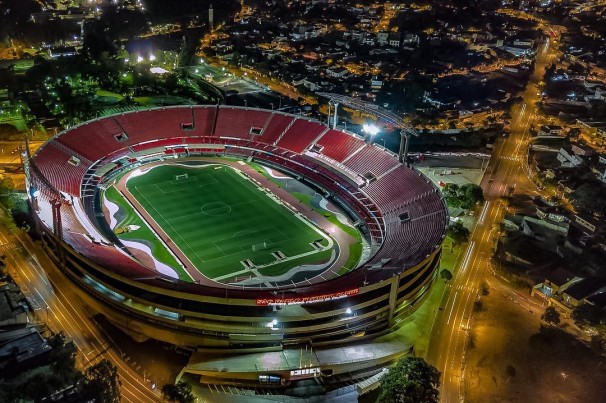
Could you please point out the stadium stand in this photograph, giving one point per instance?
(95, 139)
(394, 189)
(277, 124)
(300, 135)
(339, 145)
(57, 168)
(238, 123)
(372, 159)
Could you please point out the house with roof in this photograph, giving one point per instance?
(583, 291)
(546, 211)
(543, 231)
(21, 350)
(550, 130)
(556, 281)
(568, 159)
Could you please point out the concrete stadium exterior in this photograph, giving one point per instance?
(401, 215)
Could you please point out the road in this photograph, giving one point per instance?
(61, 307)
(506, 171)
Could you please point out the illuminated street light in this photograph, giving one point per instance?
(139, 59)
(152, 58)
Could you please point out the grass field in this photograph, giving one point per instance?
(218, 218)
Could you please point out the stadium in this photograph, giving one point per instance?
(238, 230)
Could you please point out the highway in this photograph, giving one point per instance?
(57, 303)
(506, 171)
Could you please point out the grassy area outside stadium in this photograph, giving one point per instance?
(226, 224)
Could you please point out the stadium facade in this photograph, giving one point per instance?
(401, 215)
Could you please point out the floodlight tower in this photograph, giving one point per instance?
(211, 19)
(335, 114)
(383, 115)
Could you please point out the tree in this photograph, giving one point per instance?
(102, 382)
(464, 196)
(586, 314)
(591, 197)
(7, 189)
(551, 316)
(411, 380)
(458, 233)
(598, 344)
(446, 275)
(473, 194)
(179, 393)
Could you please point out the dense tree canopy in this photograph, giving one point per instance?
(178, 393)
(411, 380)
(591, 197)
(458, 233)
(463, 196)
(551, 316)
(446, 274)
(587, 314)
(102, 382)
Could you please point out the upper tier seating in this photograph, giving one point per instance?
(238, 122)
(94, 140)
(153, 124)
(278, 122)
(395, 188)
(300, 135)
(372, 159)
(339, 145)
(56, 168)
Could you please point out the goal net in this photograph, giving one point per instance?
(260, 246)
(181, 176)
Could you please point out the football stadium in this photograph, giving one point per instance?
(240, 232)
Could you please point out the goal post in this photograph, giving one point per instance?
(180, 176)
(260, 246)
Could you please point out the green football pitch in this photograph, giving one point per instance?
(218, 218)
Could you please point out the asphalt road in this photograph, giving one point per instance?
(62, 308)
(506, 171)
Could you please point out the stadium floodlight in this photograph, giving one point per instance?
(370, 128)
(273, 323)
(348, 311)
(139, 59)
(152, 57)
